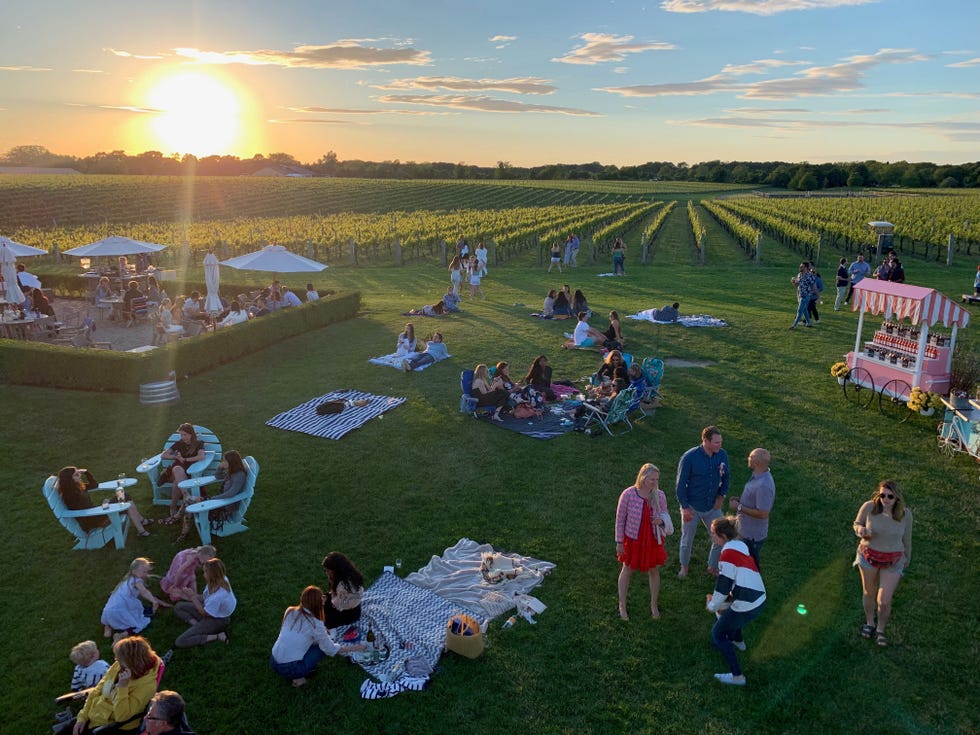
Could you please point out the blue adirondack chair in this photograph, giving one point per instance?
(467, 403)
(235, 522)
(207, 466)
(97, 537)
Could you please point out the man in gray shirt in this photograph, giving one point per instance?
(755, 504)
(858, 270)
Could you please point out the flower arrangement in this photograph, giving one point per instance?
(840, 370)
(922, 401)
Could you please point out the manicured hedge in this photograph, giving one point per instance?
(38, 363)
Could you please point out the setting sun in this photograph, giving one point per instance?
(199, 114)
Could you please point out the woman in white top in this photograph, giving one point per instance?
(208, 613)
(481, 257)
(303, 639)
(406, 341)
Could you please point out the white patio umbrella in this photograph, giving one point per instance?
(212, 304)
(274, 259)
(20, 250)
(8, 265)
(114, 246)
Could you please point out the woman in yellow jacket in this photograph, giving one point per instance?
(126, 688)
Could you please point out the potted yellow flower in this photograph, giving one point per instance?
(840, 371)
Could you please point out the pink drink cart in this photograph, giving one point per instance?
(903, 352)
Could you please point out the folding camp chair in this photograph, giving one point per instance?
(616, 412)
(467, 403)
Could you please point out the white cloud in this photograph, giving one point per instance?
(766, 111)
(516, 85)
(88, 71)
(621, 70)
(948, 129)
(759, 66)
(847, 76)
(355, 111)
(602, 47)
(342, 54)
(25, 68)
(316, 121)
(502, 41)
(128, 55)
(480, 103)
(755, 7)
(975, 61)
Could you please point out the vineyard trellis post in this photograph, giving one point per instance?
(758, 248)
(492, 250)
(398, 252)
(442, 248)
(353, 251)
(950, 247)
(701, 244)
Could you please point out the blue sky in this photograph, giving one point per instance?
(530, 82)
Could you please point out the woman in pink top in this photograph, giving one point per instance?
(642, 522)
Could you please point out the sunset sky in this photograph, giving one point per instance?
(530, 82)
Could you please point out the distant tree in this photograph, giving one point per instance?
(780, 176)
(855, 180)
(949, 183)
(29, 155)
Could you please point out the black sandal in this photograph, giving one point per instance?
(867, 631)
(880, 638)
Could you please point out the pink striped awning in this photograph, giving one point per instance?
(917, 303)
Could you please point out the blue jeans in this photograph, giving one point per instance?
(801, 312)
(754, 548)
(302, 668)
(728, 628)
(689, 529)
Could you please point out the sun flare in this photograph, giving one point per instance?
(199, 114)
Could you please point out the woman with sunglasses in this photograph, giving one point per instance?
(884, 526)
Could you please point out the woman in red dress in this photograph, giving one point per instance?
(642, 523)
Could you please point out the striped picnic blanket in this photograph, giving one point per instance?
(305, 419)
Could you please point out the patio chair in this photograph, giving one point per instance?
(207, 466)
(138, 311)
(234, 522)
(97, 537)
(616, 412)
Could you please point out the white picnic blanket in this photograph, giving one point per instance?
(693, 320)
(305, 419)
(457, 576)
(394, 360)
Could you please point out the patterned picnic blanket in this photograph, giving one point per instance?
(693, 320)
(556, 421)
(457, 576)
(410, 621)
(395, 360)
(305, 419)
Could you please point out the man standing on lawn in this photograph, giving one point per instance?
(858, 270)
(702, 481)
(754, 506)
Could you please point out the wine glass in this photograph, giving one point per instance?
(398, 564)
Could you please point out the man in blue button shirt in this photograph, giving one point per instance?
(702, 481)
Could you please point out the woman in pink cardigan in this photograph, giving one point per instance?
(642, 523)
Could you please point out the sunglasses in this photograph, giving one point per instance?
(886, 496)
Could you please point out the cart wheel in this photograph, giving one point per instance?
(893, 400)
(859, 387)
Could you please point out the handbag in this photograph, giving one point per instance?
(879, 559)
(464, 636)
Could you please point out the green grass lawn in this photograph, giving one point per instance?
(413, 483)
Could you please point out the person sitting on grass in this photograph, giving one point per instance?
(668, 313)
(539, 378)
(342, 603)
(548, 309)
(183, 570)
(450, 301)
(614, 335)
(580, 303)
(562, 307)
(432, 351)
(208, 613)
(303, 639)
(123, 613)
(584, 335)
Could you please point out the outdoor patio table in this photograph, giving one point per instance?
(114, 304)
(27, 328)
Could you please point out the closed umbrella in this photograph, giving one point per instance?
(274, 259)
(212, 304)
(8, 266)
(114, 246)
(20, 250)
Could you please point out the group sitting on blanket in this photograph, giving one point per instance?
(503, 394)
